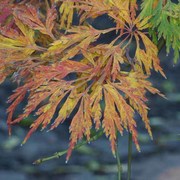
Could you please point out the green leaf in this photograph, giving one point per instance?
(166, 20)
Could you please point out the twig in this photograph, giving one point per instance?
(161, 44)
(119, 166)
(59, 154)
(129, 155)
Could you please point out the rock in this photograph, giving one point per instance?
(154, 167)
(170, 174)
(12, 175)
(86, 176)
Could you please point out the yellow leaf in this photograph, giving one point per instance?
(149, 56)
(66, 11)
(96, 97)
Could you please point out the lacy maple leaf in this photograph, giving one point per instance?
(45, 50)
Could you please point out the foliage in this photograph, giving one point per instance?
(63, 67)
(165, 19)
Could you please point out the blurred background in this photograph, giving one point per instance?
(159, 159)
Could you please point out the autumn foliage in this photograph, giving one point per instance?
(65, 70)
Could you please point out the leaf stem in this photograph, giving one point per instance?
(129, 155)
(47, 4)
(59, 154)
(161, 44)
(118, 161)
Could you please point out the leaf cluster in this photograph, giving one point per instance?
(64, 69)
(165, 19)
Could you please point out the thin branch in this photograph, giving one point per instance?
(161, 44)
(119, 166)
(61, 153)
(129, 155)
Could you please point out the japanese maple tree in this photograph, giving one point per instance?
(41, 48)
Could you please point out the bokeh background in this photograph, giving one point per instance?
(159, 159)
